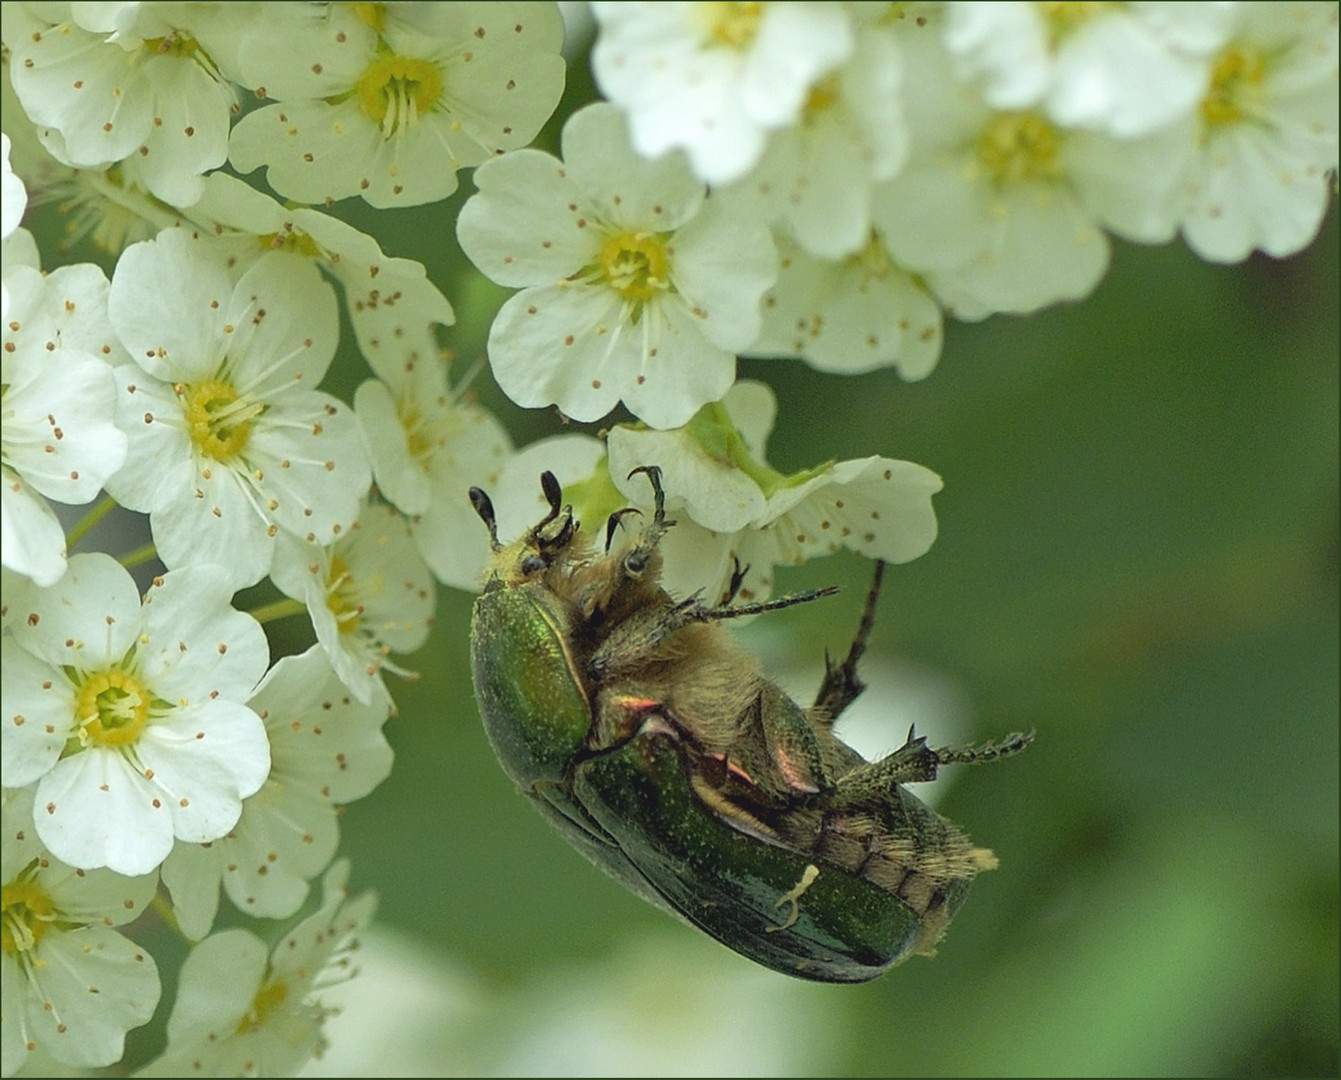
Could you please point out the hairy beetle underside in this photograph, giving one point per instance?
(616, 672)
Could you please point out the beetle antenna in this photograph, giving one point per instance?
(565, 533)
(612, 523)
(480, 501)
(658, 495)
(549, 484)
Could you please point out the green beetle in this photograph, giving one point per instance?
(649, 738)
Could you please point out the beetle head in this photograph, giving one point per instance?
(549, 542)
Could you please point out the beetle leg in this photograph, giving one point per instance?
(612, 523)
(658, 494)
(985, 752)
(792, 747)
(913, 763)
(738, 573)
(842, 686)
(645, 631)
(713, 614)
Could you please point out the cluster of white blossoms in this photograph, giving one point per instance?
(822, 181)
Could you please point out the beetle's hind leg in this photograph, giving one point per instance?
(985, 752)
(915, 763)
(842, 686)
(871, 782)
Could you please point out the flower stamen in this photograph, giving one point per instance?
(26, 913)
(1019, 147)
(397, 90)
(218, 419)
(112, 707)
(733, 25)
(1236, 81)
(635, 265)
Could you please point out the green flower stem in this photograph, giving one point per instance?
(277, 609)
(100, 511)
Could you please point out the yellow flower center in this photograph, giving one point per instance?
(297, 242)
(267, 1000)
(1236, 86)
(26, 913)
(112, 707)
(179, 45)
(874, 259)
(731, 24)
(1018, 147)
(635, 265)
(342, 596)
(396, 90)
(217, 418)
(373, 15)
(1064, 17)
(823, 96)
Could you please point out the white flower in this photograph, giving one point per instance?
(735, 512)
(391, 303)
(713, 79)
(1268, 134)
(240, 1014)
(993, 210)
(59, 399)
(72, 985)
(325, 750)
(368, 595)
(129, 718)
(146, 92)
(1123, 69)
(850, 316)
(634, 287)
(387, 102)
(13, 197)
(816, 177)
(229, 439)
(429, 445)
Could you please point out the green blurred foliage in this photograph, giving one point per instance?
(1138, 557)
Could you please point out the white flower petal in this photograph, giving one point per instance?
(87, 620)
(206, 759)
(169, 304)
(39, 715)
(195, 647)
(32, 541)
(527, 224)
(94, 809)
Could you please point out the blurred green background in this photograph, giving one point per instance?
(1138, 558)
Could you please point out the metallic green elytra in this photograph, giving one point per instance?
(650, 739)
